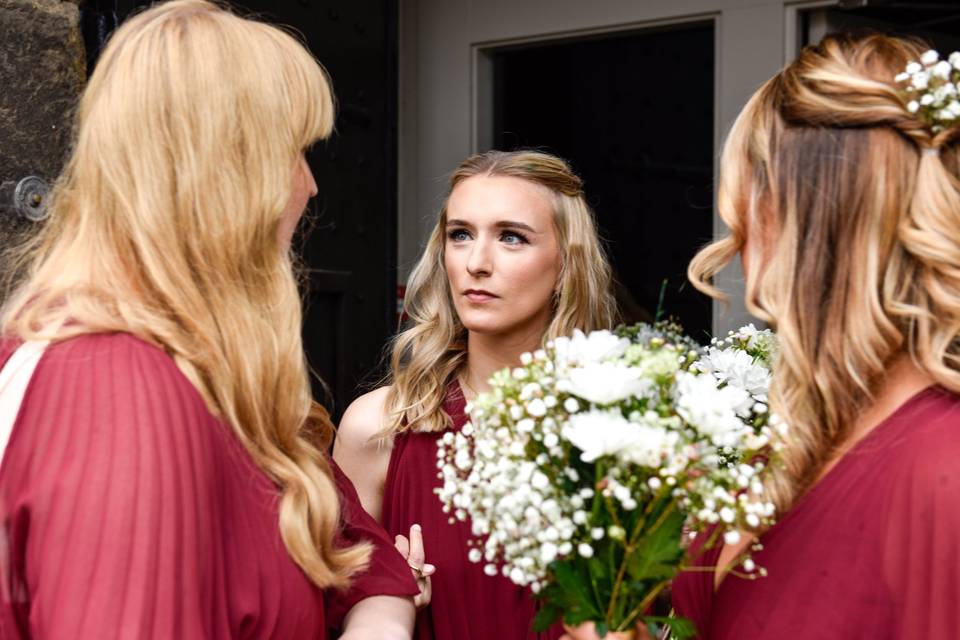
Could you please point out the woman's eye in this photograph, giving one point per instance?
(458, 235)
(512, 237)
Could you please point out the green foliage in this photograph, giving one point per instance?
(661, 551)
(680, 628)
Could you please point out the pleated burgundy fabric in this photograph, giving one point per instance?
(129, 511)
(466, 604)
(872, 551)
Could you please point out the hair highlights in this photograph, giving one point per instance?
(432, 351)
(851, 230)
(164, 224)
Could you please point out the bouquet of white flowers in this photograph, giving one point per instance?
(581, 468)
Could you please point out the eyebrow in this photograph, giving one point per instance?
(502, 224)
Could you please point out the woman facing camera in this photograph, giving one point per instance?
(164, 475)
(513, 261)
(844, 201)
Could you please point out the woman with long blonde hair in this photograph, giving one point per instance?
(164, 473)
(513, 261)
(843, 200)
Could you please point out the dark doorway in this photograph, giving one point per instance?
(936, 22)
(634, 114)
(349, 244)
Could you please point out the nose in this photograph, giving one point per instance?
(480, 261)
(311, 181)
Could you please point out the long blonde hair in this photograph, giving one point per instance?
(428, 355)
(852, 205)
(164, 225)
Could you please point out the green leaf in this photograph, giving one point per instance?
(574, 617)
(546, 616)
(641, 570)
(680, 628)
(601, 573)
(602, 629)
(659, 552)
(578, 594)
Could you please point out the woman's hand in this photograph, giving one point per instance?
(412, 550)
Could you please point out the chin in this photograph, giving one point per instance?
(482, 327)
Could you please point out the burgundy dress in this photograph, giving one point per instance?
(872, 551)
(128, 510)
(466, 603)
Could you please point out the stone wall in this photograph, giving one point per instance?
(42, 71)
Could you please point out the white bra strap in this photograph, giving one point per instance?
(14, 379)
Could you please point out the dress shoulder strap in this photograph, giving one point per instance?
(14, 379)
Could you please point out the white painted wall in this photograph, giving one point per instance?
(444, 88)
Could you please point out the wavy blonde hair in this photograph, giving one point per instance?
(427, 356)
(857, 207)
(164, 225)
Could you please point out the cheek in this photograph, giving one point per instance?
(452, 265)
(535, 272)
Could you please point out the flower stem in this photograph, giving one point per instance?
(629, 549)
(643, 606)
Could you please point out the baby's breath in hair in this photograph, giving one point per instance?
(932, 91)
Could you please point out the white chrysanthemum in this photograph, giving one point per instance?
(711, 411)
(737, 368)
(606, 382)
(597, 346)
(607, 433)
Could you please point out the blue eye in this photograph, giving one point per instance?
(512, 237)
(458, 235)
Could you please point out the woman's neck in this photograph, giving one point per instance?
(487, 354)
(904, 379)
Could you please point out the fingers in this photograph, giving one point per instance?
(415, 556)
(423, 598)
(412, 549)
(402, 545)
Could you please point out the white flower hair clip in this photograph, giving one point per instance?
(932, 91)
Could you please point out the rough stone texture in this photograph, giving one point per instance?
(42, 71)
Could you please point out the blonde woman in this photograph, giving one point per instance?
(845, 207)
(165, 475)
(513, 261)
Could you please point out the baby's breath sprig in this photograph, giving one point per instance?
(932, 90)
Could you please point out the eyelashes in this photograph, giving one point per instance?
(458, 235)
(519, 238)
(507, 237)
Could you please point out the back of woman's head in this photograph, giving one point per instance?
(428, 355)
(165, 224)
(846, 206)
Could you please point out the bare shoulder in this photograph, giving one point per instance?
(363, 419)
(363, 458)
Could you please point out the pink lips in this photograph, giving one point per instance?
(478, 295)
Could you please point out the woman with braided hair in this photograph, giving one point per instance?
(513, 261)
(841, 188)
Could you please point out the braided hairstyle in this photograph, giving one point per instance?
(846, 208)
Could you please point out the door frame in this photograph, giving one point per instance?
(446, 85)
